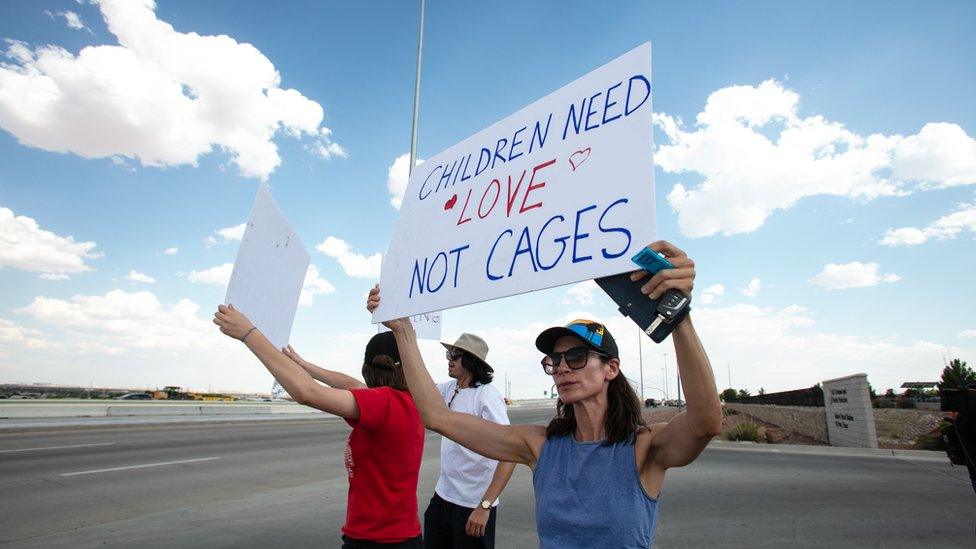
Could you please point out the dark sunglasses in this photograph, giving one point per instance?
(576, 358)
(454, 355)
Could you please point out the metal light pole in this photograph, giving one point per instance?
(667, 385)
(640, 358)
(678, 376)
(416, 92)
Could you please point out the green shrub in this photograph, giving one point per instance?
(883, 403)
(731, 412)
(743, 431)
(904, 403)
(933, 439)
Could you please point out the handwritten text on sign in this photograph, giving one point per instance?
(558, 192)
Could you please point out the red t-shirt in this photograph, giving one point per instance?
(383, 461)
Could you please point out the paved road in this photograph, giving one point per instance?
(277, 483)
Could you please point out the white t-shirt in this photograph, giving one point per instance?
(465, 475)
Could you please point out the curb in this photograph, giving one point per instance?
(827, 450)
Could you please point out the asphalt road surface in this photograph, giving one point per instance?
(283, 483)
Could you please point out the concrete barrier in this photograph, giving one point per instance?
(34, 409)
(248, 409)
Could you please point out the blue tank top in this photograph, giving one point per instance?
(589, 495)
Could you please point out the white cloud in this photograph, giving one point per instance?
(946, 227)
(967, 333)
(851, 275)
(232, 233)
(121, 320)
(172, 250)
(354, 265)
(711, 293)
(72, 19)
(782, 349)
(219, 275)
(136, 276)
(398, 176)
(26, 246)
(747, 176)
(314, 285)
(160, 96)
(580, 293)
(328, 149)
(939, 156)
(13, 335)
(752, 289)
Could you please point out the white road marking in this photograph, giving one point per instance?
(57, 447)
(160, 464)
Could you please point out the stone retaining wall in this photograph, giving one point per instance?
(807, 421)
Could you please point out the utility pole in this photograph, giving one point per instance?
(416, 92)
(728, 366)
(678, 376)
(667, 385)
(640, 358)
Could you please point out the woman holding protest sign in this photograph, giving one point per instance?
(597, 468)
(384, 450)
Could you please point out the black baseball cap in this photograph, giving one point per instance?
(383, 343)
(594, 335)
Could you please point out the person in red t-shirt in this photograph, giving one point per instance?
(385, 447)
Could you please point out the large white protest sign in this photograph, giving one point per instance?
(560, 191)
(269, 270)
(425, 325)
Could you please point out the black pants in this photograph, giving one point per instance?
(444, 524)
(349, 543)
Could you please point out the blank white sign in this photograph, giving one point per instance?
(269, 271)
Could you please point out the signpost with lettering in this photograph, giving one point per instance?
(850, 417)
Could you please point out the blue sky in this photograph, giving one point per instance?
(817, 161)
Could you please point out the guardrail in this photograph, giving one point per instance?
(27, 409)
(34, 409)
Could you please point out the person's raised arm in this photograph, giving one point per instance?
(686, 435)
(515, 443)
(290, 375)
(331, 378)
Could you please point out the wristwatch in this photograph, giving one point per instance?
(485, 504)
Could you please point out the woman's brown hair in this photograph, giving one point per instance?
(623, 417)
(383, 371)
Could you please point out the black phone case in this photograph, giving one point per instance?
(632, 303)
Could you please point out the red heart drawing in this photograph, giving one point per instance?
(578, 158)
(450, 203)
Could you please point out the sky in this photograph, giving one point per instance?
(816, 160)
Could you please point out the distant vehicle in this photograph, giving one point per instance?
(651, 403)
(135, 396)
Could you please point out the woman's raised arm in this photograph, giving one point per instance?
(514, 443)
(331, 378)
(290, 375)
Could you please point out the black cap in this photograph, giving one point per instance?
(383, 343)
(593, 334)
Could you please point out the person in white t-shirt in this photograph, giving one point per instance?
(463, 510)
